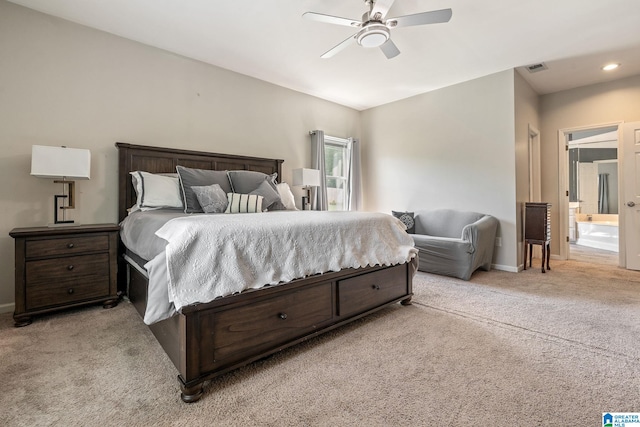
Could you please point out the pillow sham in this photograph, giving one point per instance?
(155, 191)
(190, 177)
(407, 219)
(243, 203)
(211, 197)
(286, 197)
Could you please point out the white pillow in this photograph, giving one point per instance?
(243, 203)
(286, 196)
(155, 191)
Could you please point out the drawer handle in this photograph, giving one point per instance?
(70, 245)
(376, 287)
(70, 267)
(283, 316)
(70, 291)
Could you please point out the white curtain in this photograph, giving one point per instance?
(318, 194)
(355, 180)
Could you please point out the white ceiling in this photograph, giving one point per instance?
(269, 40)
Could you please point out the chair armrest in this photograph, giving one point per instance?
(483, 231)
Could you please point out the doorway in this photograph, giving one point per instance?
(590, 210)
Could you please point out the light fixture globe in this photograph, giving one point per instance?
(373, 35)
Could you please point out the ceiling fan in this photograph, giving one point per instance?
(375, 30)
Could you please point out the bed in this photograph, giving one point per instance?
(206, 340)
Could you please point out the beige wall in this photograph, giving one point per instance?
(526, 115)
(450, 148)
(596, 104)
(65, 84)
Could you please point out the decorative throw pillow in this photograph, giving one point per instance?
(407, 220)
(199, 177)
(269, 195)
(243, 203)
(211, 197)
(245, 182)
(156, 191)
(286, 196)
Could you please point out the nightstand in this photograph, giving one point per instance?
(62, 267)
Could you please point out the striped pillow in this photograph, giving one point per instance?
(243, 203)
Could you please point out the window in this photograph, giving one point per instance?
(337, 152)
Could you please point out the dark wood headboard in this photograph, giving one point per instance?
(164, 160)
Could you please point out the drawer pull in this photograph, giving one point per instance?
(70, 267)
(70, 291)
(376, 287)
(70, 245)
(283, 316)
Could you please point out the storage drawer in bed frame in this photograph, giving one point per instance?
(230, 332)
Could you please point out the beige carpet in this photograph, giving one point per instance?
(504, 349)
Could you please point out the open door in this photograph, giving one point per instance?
(631, 202)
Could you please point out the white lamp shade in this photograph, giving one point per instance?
(58, 162)
(306, 177)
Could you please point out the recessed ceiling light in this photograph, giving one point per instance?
(610, 67)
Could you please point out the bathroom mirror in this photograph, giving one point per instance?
(593, 171)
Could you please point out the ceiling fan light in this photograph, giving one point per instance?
(373, 36)
(372, 40)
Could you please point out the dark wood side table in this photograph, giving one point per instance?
(537, 231)
(61, 267)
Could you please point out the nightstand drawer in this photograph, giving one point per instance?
(76, 268)
(70, 245)
(66, 292)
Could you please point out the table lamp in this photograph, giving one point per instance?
(306, 178)
(64, 163)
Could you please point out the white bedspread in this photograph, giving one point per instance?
(210, 256)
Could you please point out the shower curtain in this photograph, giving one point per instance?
(603, 193)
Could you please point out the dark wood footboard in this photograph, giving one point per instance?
(208, 340)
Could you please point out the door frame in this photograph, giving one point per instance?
(535, 171)
(563, 189)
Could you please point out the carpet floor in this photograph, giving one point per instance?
(503, 349)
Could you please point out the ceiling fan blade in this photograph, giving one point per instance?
(433, 17)
(382, 7)
(390, 49)
(339, 47)
(331, 19)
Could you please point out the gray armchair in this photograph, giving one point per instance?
(454, 243)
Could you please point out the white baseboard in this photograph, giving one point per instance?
(7, 308)
(508, 268)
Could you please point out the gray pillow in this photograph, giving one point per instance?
(407, 219)
(269, 195)
(199, 177)
(246, 181)
(211, 197)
